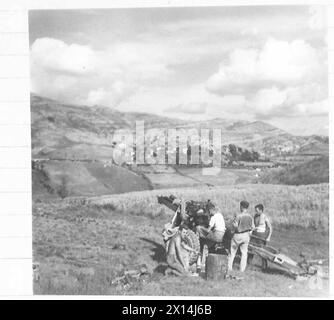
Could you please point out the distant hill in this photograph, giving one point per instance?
(73, 146)
(63, 131)
(311, 172)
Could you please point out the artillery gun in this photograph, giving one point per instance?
(193, 214)
(196, 212)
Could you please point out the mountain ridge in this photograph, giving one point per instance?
(70, 131)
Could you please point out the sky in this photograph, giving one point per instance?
(253, 63)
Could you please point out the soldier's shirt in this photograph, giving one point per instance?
(244, 222)
(217, 222)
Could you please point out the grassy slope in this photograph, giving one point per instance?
(88, 179)
(304, 206)
(83, 257)
(70, 178)
(82, 248)
(311, 172)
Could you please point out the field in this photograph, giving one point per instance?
(185, 176)
(54, 178)
(294, 174)
(60, 179)
(82, 244)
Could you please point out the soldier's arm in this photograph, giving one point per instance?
(235, 222)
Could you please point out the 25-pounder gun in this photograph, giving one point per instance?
(197, 212)
(192, 214)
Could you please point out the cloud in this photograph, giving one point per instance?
(285, 79)
(78, 74)
(56, 56)
(272, 102)
(316, 108)
(253, 31)
(116, 92)
(266, 101)
(279, 63)
(245, 63)
(142, 61)
(196, 100)
(191, 108)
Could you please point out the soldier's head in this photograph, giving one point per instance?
(214, 210)
(259, 208)
(211, 208)
(244, 205)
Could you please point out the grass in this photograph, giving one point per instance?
(311, 172)
(287, 206)
(162, 177)
(82, 249)
(83, 245)
(79, 178)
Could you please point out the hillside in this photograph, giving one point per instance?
(311, 172)
(60, 179)
(62, 131)
(73, 148)
(81, 247)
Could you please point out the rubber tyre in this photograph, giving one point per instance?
(192, 241)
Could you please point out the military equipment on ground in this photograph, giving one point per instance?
(272, 255)
(197, 213)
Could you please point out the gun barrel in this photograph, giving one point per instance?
(168, 202)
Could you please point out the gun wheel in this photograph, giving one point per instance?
(192, 241)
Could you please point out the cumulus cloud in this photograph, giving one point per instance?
(283, 79)
(271, 102)
(195, 100)
(143, 61)
(266, 101)
(79, 74)
(55, 55)
(270, 62)
(279, 63)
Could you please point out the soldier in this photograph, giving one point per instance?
(243, 225)
(215, 232)
(212, 235)
(263, 227)
(262, 232)
(178, 254)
